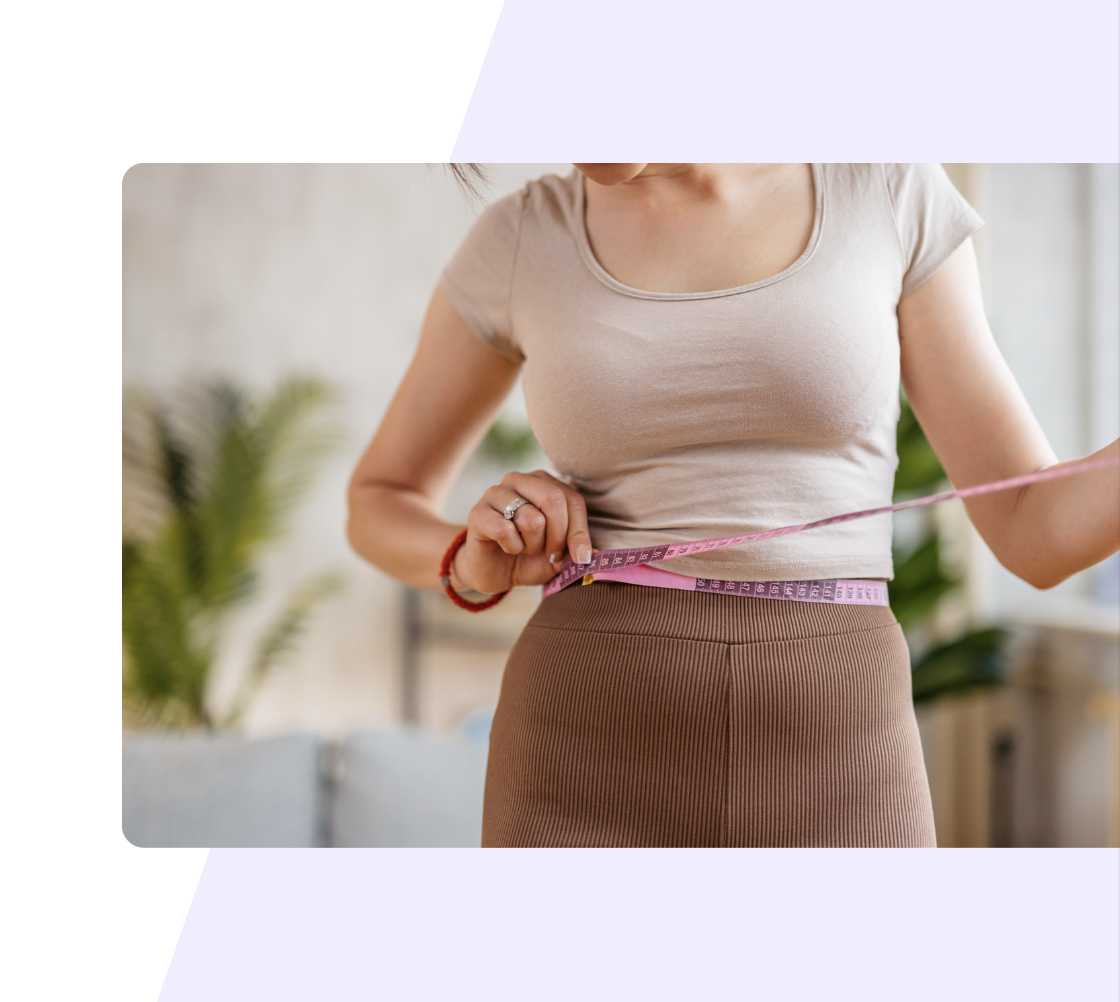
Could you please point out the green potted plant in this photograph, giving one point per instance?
(210, 478)
(972, 659)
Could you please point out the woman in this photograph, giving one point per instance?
(710, 349)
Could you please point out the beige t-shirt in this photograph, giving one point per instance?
(684, 416)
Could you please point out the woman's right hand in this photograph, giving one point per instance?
(501, 553)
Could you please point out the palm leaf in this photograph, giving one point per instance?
(919, 470)
(972, 661)
(263, 464)
(212, 478)
(168, 656)
(919, 582)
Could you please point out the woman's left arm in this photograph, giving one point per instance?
(979, 424)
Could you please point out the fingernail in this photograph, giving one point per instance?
(583, 554)
(553, 557)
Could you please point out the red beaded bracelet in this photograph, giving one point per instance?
(445, 580)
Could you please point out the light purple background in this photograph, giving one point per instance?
(865, 80)
(544, 925)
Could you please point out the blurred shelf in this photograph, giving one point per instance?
(431, 620)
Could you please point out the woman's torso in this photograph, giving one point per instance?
(686, 415)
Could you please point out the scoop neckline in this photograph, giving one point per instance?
(584, 244)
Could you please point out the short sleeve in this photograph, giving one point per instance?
(478, 279)
(932, 217)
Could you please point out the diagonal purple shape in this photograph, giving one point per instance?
(732, 81)
(304, 925)
(295, 924)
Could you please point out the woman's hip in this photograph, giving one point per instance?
(633, 715)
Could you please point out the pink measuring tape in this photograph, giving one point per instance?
(631, 565)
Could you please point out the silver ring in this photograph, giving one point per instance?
(511, 508)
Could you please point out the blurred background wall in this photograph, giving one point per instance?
(1035, 761)
(255, 271)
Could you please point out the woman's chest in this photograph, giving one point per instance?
(609, 379)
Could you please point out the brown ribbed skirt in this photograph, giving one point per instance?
(637, 716)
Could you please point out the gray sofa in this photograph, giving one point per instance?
(376, 788)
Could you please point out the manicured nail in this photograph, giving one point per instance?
(553, 557)
(583, 554)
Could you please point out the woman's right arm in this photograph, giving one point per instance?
(447, 400)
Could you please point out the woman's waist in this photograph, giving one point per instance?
(616, 607)
(789, 560)
(828, 591)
